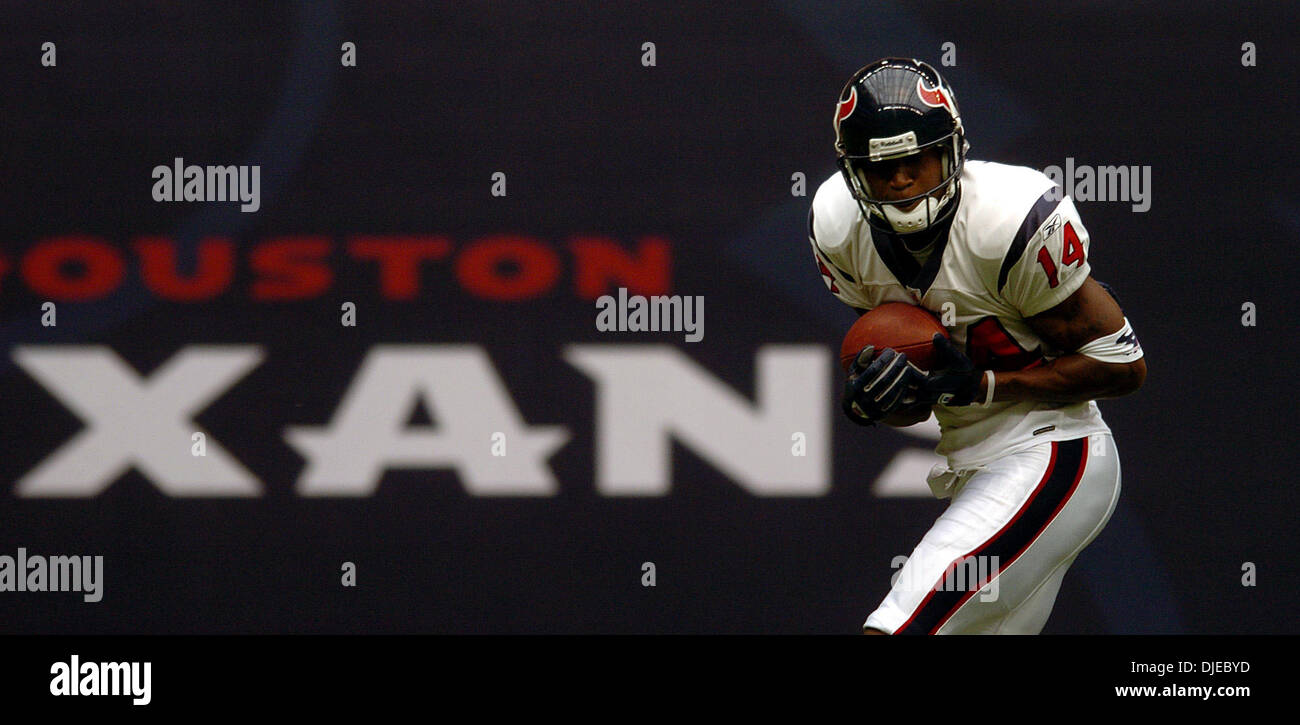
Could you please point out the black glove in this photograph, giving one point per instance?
(876, 388)
(955, 380)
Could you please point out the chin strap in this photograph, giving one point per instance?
(920, 218)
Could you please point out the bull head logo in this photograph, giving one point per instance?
(934, 97)
(845, 108)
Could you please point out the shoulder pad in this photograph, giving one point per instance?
(997, 201)
(834, 217)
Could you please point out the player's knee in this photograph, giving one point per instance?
(872, 630)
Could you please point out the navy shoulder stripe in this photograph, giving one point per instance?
(1033, 220)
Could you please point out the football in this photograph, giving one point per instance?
(906, 328)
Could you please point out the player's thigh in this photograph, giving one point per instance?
(926, 591)
(1015, 522)
(1021, 596)
(1027, 617)
(1031, 616)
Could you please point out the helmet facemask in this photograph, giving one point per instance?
(888, 214)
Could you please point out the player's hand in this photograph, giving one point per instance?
(876, 388)
(955, 381)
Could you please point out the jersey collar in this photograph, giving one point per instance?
(903, 265)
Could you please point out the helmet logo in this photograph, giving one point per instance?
(934, 97)
(845, 108)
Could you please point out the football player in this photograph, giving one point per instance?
(1001, 257)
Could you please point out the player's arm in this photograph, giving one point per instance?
(1089, 315)
(1045, 275)
(1104, 358)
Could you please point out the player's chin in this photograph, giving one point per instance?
(910, 207)
(904, 417)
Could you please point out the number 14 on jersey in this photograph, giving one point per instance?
(1072, 253)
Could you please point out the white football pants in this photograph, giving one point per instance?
(994, 561)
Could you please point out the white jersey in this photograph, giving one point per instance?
(1011, 253)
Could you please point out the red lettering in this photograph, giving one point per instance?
(215, 269)
(45, 268)
(399, 260)
(1049, 267)
(1072, 252)
(600, 262)
(827, 274)
(502, 267)
(480, 268)
(291, 268)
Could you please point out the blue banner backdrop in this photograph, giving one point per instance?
(394, 362)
